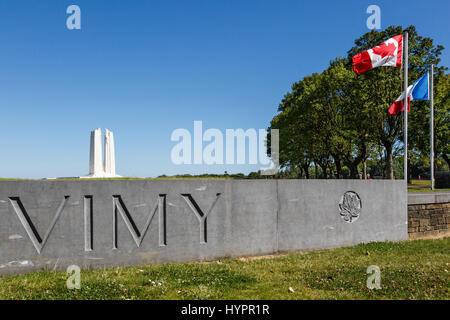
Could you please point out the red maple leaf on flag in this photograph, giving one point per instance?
(388, 54)
(385, 50)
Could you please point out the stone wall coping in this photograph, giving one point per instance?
(428, 197)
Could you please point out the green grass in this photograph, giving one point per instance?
(422, 186)
(409, 270)
(412, 189)
(121, 178)
(425, 183)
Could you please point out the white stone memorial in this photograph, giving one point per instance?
(96, 168)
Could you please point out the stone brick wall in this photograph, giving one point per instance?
(431, 219)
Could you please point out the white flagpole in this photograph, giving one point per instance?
(430, 92)
(405, 129)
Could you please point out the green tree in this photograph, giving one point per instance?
(338, 120)
(442, 118)
(420, 122)
(382, 86)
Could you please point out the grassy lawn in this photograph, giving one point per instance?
(121, 178)
(416, 269)
(422, 186)
(415, 186)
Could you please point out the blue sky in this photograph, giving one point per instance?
(145, 68)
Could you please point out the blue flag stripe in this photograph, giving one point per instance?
(420, 91)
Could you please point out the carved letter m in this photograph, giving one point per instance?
(120, 208)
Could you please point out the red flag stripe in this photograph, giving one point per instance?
(362, 62)
(399, 105)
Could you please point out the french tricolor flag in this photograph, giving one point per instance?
(419, 90)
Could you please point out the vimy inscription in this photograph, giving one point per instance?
(119, 209)
(53, 224)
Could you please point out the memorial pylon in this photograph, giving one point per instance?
(96, 168)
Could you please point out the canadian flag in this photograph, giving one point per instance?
(387, 54)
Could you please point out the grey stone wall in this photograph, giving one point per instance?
(53, 224)
(428, 214)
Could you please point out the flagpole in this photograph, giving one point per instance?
(430, 90)
(405, 125)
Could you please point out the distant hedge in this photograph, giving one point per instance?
(442, 179)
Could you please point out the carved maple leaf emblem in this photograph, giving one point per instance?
(385, 50)
(350, 206)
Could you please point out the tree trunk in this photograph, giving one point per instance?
(300, 174)
(382, 160)
(409, 166)
(353, 164)
(388, 165)
(339, 170)
(306, 169)
(365, 169)
(337, 162)
(353, 170)
(324, 171)
(447, 159)
(316, 171)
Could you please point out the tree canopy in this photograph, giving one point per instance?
(337, 120)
